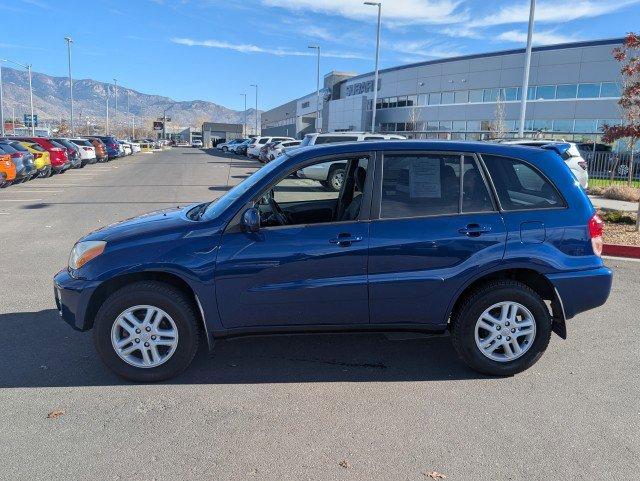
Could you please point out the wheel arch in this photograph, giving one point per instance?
(108, 287)
(537, 281)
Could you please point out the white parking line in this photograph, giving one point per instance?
(19, 200)
(39, 191)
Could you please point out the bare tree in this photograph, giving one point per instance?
(498, 127)
(414, 118)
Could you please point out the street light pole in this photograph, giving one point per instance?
(318, 127)
(375, 78)
(1, 102)
(256, 86)
(69, 42)
(527, 67)
(244, 131)
(107, 125)
(115, 109)
(28, 67)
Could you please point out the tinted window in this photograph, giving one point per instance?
(610, 89)
(567, 91)
(329, 139)
(8, 148)
(263, 141)
(475, 95)
(461, 97)
(588, 91)
(429, 184)
(546, 92)
(519, 185)
(447, 97)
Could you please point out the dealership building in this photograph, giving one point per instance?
(573, 91)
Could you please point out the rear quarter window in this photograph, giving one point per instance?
(520, 185)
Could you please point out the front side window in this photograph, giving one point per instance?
(419, 185)
(520, 185)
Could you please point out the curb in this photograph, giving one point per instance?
(619, 250)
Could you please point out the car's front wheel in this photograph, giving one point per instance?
(502, 328)
(146, 331)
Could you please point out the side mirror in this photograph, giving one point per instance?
(251, 220)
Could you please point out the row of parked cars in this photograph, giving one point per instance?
(25, 158)
(266, 149)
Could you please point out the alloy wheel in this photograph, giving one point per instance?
(505, 331)
(144, 336)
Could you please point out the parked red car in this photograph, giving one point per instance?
(59, 158)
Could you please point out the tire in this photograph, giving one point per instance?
(225, 149)
(464, 321)
(160, 296)
(334, 181)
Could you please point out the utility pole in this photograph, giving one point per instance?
(244, 131)
(28, 67)
(256, 86)
(375, 78)
(69, 42)
(318, 126)
(527, 68)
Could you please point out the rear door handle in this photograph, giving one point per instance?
(345, 239)
(474, 230)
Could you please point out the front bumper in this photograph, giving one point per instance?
(580, 291)
(72, 299)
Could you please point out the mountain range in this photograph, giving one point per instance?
(51, 103)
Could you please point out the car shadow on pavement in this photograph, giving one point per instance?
(44, 352)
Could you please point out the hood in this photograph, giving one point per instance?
(152, 224)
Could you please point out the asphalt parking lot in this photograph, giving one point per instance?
(322, 407)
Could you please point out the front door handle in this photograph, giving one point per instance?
(345, 239)
(474, 230)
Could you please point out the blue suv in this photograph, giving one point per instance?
(496, 244)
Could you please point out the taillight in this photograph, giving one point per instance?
(596, 228)
(16, 155)
(583, 164)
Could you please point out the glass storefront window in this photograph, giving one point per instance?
(531, 93)
(401, 127)
(511, 94)
(385, 103)
(485, 125)
(393, 102)
(412, 100)
(461, 97)
(566, 91)
(459, 126)
(563, 125)
(475, 96)
(610, 89)
(542, 125)
(545, 92)
(445, 126)
(423, 99)
(584, 126)
(402, 101)
(588, 91)
(490, 95)
(447, 97)
(473, 125)
(432, 125)
(434, 98)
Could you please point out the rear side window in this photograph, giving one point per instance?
(520, 185)
(263, 141)
(419, 185)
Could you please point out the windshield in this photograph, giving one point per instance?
(218, 206)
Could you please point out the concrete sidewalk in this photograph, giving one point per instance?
(602, 203)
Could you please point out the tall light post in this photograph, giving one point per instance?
(69, 42)
(256, 86)
(1, 102)
(527, 67)
(28, 67)
(107, 124)
(115, 109)
(375, 78)
(244, 131)
(318, 127)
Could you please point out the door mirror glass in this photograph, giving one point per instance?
(251, 220)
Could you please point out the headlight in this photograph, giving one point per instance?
(83, 252)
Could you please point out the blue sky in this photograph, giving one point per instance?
(214, 49)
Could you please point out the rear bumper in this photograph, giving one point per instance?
(580, 291)
(72, 299)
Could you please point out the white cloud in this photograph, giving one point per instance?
(250, 48)
(424, 49)
(548, 37)
(398, 11)
(551, 11)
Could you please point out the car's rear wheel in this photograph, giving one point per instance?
(146, 331)
(502, 328)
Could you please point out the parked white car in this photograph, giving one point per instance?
(196, 143)
(278, 148)
(573, 158)
(135, 147)
(86, 150)
(226, 146)
(126, 147)
(331, 174)
(253, 149)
